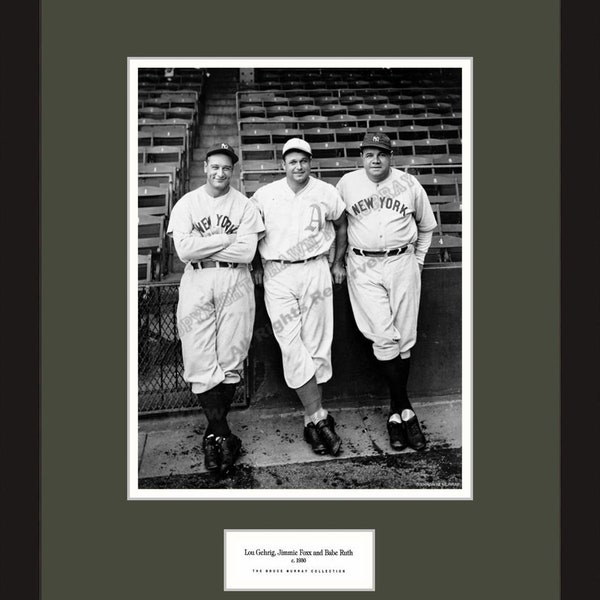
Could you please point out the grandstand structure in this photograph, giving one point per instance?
(182, 112)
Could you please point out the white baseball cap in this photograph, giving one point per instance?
(296, 144)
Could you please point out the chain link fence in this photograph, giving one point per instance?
(161, 388)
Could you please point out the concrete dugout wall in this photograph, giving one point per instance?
(436, 367)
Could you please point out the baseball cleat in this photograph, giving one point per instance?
(311, 436)
(230, 450)
(212, 456)
(414, 435)
(397, 434)
(326, 431)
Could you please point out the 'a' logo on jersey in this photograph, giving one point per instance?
(315, 218)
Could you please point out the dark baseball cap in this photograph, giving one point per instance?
(377, 140)
(222, 149)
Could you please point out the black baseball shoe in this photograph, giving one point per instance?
(230, 450)
(397, 433)
(326, 430)
(212, 454)
(414, 435)
(311, 436)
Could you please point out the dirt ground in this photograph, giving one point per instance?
(437, 467)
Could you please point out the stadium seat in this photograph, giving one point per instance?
(402, 147)
(311, 121)
(277, 110)
(252, 110)
(412, 109)
(401, 99)
(386, 109)
(271, 101)
(352, 148)
(350, 134)
(376, 99)
(413, 132)
(157, 101)
(151, 232)
(144, 139)
(440, 185)
(256, 169)
(153, 201)
(352, 100)
(181, 112)
(431, 146)
(360, 109)
(327, 150)
(445, 131)
(258, 152)
(444, 248)
(325, 100)
(376, 120)
(319, 134)
(280, 121)
(255, 136)
(336, 167)
(327, 110)
(306, 109)
(280, 136)
(300, 100)
(440, 108)
(144, 267)
(165, 154)
(152, 112)
(338, 121)
(412, 164)
(246, 99)
(447, 163)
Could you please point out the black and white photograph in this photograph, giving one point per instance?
(300, 324)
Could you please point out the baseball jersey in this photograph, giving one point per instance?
(211, 220)
(297, 226)
(385, 215)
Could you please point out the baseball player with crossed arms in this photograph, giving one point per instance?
(215, 229)
(302, 216)
(390, 220)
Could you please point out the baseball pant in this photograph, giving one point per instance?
(215, 317)
(384, 294)
(298, 298)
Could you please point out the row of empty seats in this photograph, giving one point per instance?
(168, 122)
(348, 96)
(266, 79)
(420, 111)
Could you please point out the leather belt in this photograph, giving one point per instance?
(295, 262)
(392, 252)
(211, 264)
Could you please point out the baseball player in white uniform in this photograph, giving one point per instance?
(302, 217)
(390, 225)
(215, 229)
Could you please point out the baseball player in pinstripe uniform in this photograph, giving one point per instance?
(390, 220)
(302, 217)
(215, 229)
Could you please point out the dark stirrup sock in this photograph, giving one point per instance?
(310, 396)
(396, 372)
(215, 411)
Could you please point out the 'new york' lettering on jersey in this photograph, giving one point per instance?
(385, 215)
(199, 213)
(297, 226)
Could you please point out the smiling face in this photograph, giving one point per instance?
(218, 169)
(297, 167)
(376, 163)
